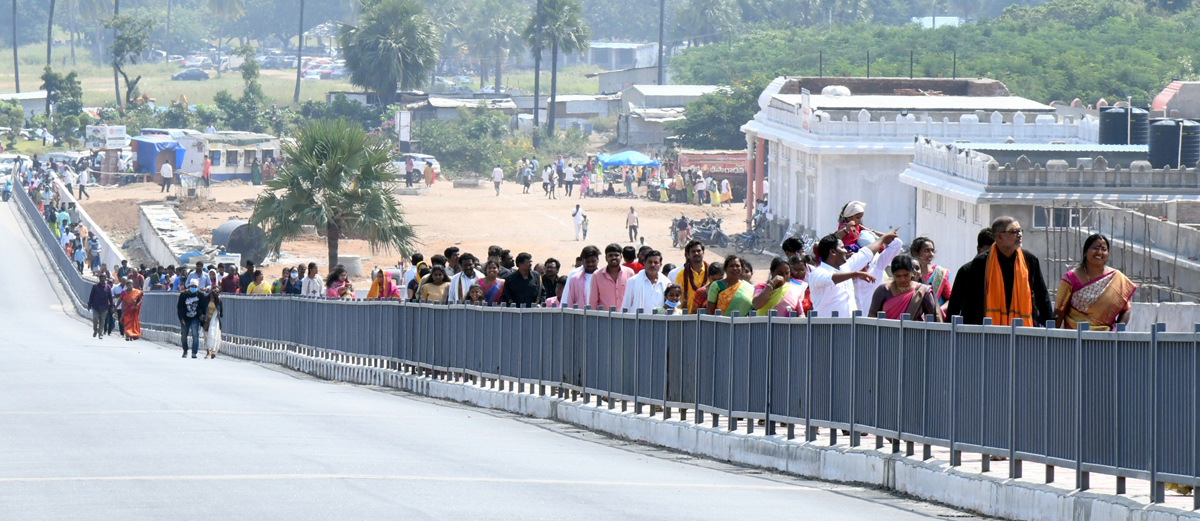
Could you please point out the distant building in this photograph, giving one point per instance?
(820, 151)
(232, 153)
(622, 55)
(614, 82)
(933, 22)
(440, 108)
(33, 102)
(645, 108)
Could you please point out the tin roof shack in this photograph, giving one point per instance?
(33, 103)
(720, 165)
(439, 108)
(622, 55)
(576, 109)
(613, 82)
(232, 153)
(645, 108)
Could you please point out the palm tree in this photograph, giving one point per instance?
(340, 180)
(706, 20)
(394, 46)
(564, 30)
(299, 54)
(50, 31)
(16, 62)
(503, 30)
(225, 11)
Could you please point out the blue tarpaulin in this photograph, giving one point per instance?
(148, 149)
(626, 158)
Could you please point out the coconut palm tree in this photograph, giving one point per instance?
(299, 53)
(394, 46)
(563, 30)
(339, 179)
(503, 30)
(706, 21)
(225, 11)
(16, 62)
(50, 31)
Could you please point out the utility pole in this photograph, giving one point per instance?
(537, 70)
(16, 62)
(662, 10)
(167, 41)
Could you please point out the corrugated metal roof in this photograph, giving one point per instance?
(21, 96)
(676, 90)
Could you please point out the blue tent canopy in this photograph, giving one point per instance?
(626, 158)
(148, 149)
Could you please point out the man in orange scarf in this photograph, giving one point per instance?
(1005, 282)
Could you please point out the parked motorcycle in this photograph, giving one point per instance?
(754, 241)
(708, 231)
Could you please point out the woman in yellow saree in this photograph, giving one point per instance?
(131, 311)
(1094, 292)
(383, 288)
(731, 293)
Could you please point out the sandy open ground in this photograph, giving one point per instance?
(471, 219)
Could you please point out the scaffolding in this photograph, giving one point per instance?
(1146, 248)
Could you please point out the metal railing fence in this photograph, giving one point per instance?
(1116, 403)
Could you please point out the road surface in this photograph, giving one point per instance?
(102, 430)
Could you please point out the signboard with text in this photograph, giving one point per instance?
(108, 137)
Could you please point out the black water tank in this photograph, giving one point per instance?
(1174, 143)
(242, 238)
(1123, 126)
(1190, 151)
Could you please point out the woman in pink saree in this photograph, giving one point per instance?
(905, 295)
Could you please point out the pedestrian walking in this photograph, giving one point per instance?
(568, 180)
(168, 176)
(99, 302)
(631, 224)
(554, 179)
(546, 181)
(497, 178)
(584, 226)
(577, 216)
(212, 325)
(408, 171)
(190, 309)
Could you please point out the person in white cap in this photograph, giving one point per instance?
(850, 226)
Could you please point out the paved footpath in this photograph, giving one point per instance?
(100, 430)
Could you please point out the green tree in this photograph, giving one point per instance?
(12, 116)
(245, 113)
(64, 92)
(563, 30)
(339, 179)
(127, 47)
(705, 21)
(393, 46)
(503, 29)
(714, 120)
(225, 12)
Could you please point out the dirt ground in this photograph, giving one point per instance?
(471, 219)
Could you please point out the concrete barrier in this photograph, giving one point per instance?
(927, 480)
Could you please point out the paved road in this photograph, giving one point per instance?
(124, 431)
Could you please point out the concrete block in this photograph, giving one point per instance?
(352, 263)
(410, 191)
(472, 182)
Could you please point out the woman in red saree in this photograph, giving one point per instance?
(1094, 293)
(131, 311)
(905, 295)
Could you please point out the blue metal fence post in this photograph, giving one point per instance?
(832, 390)
(1014, 465)
(637, 367)
(854, 437)
(696, 379)
(809, 434)
(611, 337)
(955, 454)
(878, 381)
(900, 393)
(1081, 477)
(1156, 488)
(1195, 411)
(732, 423)
(1116, 398)
(770, 426)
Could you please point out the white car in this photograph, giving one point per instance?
(312, 75)
(418, 163)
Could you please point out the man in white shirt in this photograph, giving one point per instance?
(85, 178)
(200, 275)
(210, 129)
(568, 180)
(863, 290)
(577, 217)
(497, 178)
(645, 291)
(830, 285)
(411, 273)
(461, 282)
(168, 175)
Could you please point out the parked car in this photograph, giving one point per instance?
(418, 164)
(312, 75)
(197, 62)
(459, 90)
(175, 58)
(190, 75)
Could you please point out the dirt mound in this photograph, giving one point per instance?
(201, 205)
(119, 218)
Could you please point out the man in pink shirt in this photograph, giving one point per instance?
(579, 282)
(608, 286)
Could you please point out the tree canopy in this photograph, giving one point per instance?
(394, 46)
(714, 121)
